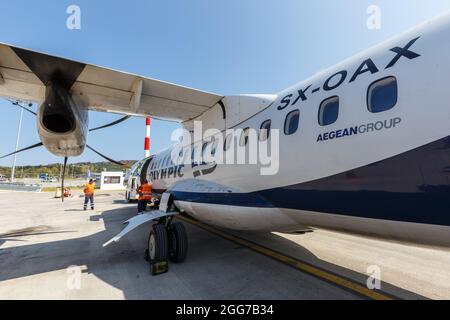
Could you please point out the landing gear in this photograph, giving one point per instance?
(158, 249)
(178, 242)
(167, 241)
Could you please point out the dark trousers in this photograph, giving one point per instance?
(88, 199)
(142, 205)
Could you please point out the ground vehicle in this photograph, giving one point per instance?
(46, 178)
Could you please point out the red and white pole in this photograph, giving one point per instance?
(147, 138)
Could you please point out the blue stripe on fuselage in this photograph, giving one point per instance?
(410, 187)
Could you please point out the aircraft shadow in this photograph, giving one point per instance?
(298, 252)
(122, 265)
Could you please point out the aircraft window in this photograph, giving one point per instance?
(205, 144)
(194, 150)
(244, 137)
(204, 148)
(329, 111)
(291, 123)
(214, 147)
(184, 153)
(382, 95)
(213, 143)
(264, 133)
(227, 143)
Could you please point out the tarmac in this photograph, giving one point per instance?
(50, 250)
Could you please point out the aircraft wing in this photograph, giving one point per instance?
(25, 73)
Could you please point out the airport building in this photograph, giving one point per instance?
(109, 180)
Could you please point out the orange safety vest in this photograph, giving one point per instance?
(145, 192)
(89, 189)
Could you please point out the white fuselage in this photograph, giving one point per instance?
(362, 172)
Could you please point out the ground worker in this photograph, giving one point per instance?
(89, 194)
(145, 196)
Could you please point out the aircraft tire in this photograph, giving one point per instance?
(158, 244)
(178, 242)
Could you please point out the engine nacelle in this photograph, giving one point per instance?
(62, 125)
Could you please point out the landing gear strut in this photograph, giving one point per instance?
(167, 241)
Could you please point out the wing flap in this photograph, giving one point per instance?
(113, 91)
(137, 221)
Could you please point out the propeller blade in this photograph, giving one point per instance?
(15, 103)
(40, 144)
(105, 157)
(62, 178)
(111, 124)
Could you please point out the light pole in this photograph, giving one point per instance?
(13, 170)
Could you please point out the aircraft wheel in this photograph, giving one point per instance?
(178, 242)
(158, 245)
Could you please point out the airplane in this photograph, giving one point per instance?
(364, 146)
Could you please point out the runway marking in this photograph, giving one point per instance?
(293, 262)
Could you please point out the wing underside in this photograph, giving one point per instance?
(25, 73)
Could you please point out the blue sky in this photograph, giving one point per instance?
(228, 47)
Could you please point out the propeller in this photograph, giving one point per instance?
(16, 103)
(105, 157)
(111, 124)
(40, 144)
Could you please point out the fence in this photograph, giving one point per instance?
(20, 187)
